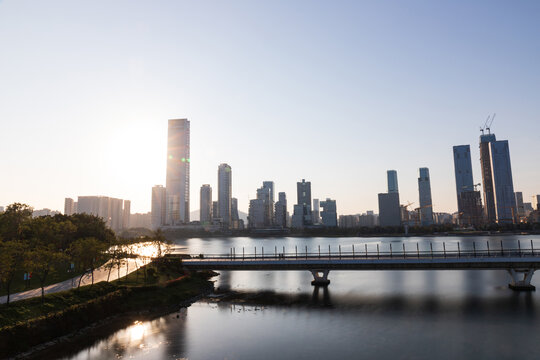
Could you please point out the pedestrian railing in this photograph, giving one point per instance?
(385, 251)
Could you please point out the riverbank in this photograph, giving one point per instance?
(149, 291)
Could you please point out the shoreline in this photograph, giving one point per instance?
(105, 327)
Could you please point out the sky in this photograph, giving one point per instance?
(334, 92)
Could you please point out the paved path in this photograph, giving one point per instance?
(100, 274)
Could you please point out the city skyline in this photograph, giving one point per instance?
(107, 132)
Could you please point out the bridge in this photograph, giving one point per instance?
(520, 263)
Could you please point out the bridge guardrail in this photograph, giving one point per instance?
(364, 253)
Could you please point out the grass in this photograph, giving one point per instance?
(19, 284)
(155, 282)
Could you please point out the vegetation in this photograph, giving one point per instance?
(36, 252)
(30, 322)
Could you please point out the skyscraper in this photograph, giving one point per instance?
(392, 181)
(265, 196)
(178, 160)
(329, 213)
(468, 199)
(503, 185)
(281, 210)
(126, 214)
(225, 193)
(302, 210)
(159, 201)
(487, 177)
(270, 205)
(424, 191)
(316, 211)
(463, 169)
(519, 204)
(206, 204)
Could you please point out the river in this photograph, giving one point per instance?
(362, 314)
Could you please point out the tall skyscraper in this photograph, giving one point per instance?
(236, 223)
(206, 204)
(424, 191)
(503, 185)
(329, 213)
(463, 169)
(178, 160)
(159, 208)
(126, 214)
(302, 210)
(281, 210)
(270, 186)
(225, 193)
(487, 177)
(69, 206)
(468, 199)
(392, 181)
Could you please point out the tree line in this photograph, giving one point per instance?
(45, 245)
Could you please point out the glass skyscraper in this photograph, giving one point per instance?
(177, 183)
(424, 190)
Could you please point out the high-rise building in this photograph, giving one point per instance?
(206, 204)
(270, 186)
(316, 211)
(302, 210)
(261, 210)
(69, 206)
(329, 213)
(159, 207)
(487, 177)
(109, 209)
(424, 191)
(224, 193)
(126, 214)
(519, 204)
(392, 181)
(281, 210)
(468, 199)
(178, 160)
(236, 222)
(389, 209)
(463, 170)
(536, 202)
(257, 214)
(503, 185)
(215, 211)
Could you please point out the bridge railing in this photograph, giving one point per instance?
(388, 252)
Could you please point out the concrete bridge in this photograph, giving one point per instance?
(520, 263)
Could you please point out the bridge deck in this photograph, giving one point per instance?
(382, 261)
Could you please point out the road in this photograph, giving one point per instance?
(100, 274)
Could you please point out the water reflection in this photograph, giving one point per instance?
(372, 314)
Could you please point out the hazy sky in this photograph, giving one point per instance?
(335, 92)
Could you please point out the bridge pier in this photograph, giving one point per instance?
(521, 279)
(320, 277)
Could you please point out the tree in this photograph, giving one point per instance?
(11, 259)
(14, 221)
(42, 261)
(87, 253)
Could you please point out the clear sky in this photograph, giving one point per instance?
(335, 92)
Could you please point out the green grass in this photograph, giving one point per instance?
(157, 276)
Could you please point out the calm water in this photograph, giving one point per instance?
(384, 314)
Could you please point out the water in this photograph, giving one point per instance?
(371, 314)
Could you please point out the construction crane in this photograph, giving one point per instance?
(487, 124)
